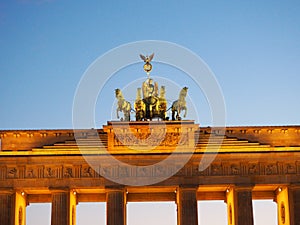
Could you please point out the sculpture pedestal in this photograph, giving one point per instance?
(150, 136)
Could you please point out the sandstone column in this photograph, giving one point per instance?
(187, 212)
(288, 205)
(63, 207)
(12, 208)
(239, 206)
(115, 206)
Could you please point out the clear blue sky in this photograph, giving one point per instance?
(253, 48)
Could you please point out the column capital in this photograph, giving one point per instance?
(7, 191)
(188, 187)
(59, 189)
(293, 186)
(241, 187)
(115, 188)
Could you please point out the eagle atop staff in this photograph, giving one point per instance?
(147, 59)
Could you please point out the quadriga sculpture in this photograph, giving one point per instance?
(154, 103)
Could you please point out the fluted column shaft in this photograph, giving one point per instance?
(7, 208)
(294, 199)
(116, 207)
(187, 212)
(63, 207)
(12, 208)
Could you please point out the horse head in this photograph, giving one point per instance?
(183, 92)
(118, 93)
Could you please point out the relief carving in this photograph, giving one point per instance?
(106, 171)
(253, 169)
(181, 171)
(290, 169)
(154, 139)
(50, 172)
(271, 169)
(143, 172)
(30, 173)
(138, 139)
(87, 171)
(204, 172)
(234, 169)
(184, 140)
(68, 172)
(173, 139)
(160, 170)
(170, 139)
(216, 169)
(124, 172)
(12, 172)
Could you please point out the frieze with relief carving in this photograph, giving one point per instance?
(154, 139)
(252, 169)
(85, 171)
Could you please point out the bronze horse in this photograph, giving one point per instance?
(123, 106)
(179, 105)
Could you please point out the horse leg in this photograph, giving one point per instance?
(126, 116)
(178, 114)
(162, 115)
(150, 113)
(185, 111)
(173, 114)
(127, 111)
(118, 113)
